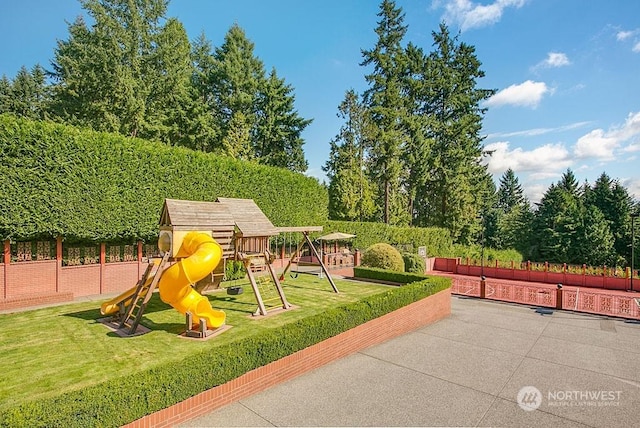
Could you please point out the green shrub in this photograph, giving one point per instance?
(474, 252)
(387, 276)
(437, 240)
(117, 402)
(234, 269)
(383, 256)
(413, 263)
(91, 186)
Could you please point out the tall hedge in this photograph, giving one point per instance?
(437, 240)
(85, 185)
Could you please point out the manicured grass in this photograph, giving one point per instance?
(50, 351)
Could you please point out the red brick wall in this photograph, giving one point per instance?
(30, 279)
(583, 280)
(3, 292)
(80, 280)
(402, 321)
(118, 277)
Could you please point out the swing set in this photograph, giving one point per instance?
(295, 256)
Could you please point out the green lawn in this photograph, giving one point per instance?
(49, 351)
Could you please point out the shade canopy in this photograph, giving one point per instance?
(336, 236)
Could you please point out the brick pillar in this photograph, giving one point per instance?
(103, 258)
(7, 263)
(559, 297)
(58, 261)
(139, 259)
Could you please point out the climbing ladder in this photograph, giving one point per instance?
(266, 288)
(140, 299)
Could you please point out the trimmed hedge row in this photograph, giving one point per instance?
(120, 401)
(86, 185)
(437, 240)
(389, 276)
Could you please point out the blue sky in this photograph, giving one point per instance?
(567, 72)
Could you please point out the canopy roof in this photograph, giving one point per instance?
(336, 236)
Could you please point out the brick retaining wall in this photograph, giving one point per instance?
(397, 323)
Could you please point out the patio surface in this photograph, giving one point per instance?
(482, 366)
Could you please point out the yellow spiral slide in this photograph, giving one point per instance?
(201, 255)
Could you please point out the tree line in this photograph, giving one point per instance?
(410, 149)
(574, 223)
(133, 71)
(410, 152)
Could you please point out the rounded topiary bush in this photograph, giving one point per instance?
(383, 256)
(413, 263)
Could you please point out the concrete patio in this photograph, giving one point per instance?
(488, 364)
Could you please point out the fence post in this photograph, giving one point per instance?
(58, 261)
(7, 262)
(103, 260)
(559, 296)
(139, 258)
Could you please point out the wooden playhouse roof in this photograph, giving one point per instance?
(248, 217)
(197, 214)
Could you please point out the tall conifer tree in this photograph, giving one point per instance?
(385, 103)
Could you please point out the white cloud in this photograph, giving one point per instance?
(539, 131)
(527, 94)
(534, 192)
(633, 186)
(596, 144)
(468, 14)
(624, 35)
(555, 59)
(542, 162)
(602, 145)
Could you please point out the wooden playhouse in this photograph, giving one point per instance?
(243, 232)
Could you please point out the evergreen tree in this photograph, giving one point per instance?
(594, 241)
(350, 192)
(27, 95)
(458, 185)
(385, 103)
(418, 146)
(510, 193)
(237, 76)
(126, 73)
(569, 183)
(278, 140)
(205, 131)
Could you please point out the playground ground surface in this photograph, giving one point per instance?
(81, 351)
(479, 367)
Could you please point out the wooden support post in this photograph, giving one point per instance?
(291, 257)
(256, 291)
(322, 265)
(274, 276)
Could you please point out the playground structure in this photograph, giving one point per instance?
(196, 240)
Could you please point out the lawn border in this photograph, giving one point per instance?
(401, 321)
